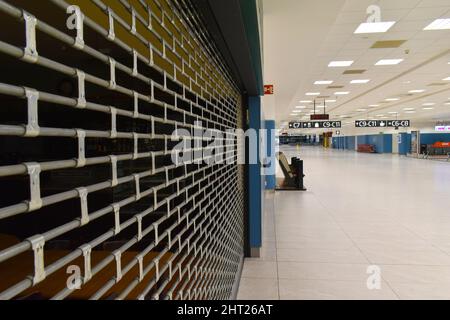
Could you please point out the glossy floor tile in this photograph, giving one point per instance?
(365, 219)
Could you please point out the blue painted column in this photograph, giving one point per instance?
(256, 181)
(270, 170)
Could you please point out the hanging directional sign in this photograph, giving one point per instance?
(382, 124)
(315, 125)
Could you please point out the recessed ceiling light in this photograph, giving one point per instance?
(374, 27)
(428, 108)
(340, 63)
(429, 104)
(392, 99)
(416, 91)
(446, 79)
(439, 24)
(312, 93)
(341, 93)
(360, 81)
(388, 62)
(320, 82)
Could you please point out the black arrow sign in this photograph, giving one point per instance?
(316, 125)
(382, 124)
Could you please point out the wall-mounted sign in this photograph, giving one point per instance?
(442, 128)
(315, 125)
(315, 117)
(268, 89)
(382, 124)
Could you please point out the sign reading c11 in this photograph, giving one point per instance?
(315, 125)
(382, 124)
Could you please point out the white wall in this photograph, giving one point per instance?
(268, 107)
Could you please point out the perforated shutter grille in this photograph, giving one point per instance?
(87, 182)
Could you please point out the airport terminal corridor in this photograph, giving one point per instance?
(360, 211)
(225, 150)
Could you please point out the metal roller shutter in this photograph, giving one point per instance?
(87, 180)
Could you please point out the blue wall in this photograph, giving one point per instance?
(405, 146)
(382, 142)
(270, 172)
(350, 143)
(256, 181)
(431, 138)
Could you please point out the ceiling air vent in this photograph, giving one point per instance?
(387, 44)
(354, 71)
(335, 87)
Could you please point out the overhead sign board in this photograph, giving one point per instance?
(315, 125)
(382, 124)
(315, 117)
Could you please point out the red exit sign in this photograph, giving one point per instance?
(268, 89)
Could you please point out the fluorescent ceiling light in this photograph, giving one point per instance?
(320, 82)
(297, 111)
(374, 105)
(312, 93)
(428, 104)
(361, 110)
(374, 27)
(380, 115)
(340, 63)
(409, 109)
(393, 112)
(446, 79)
(330, 101)
(300, 107)
(359, 81)
(439, 24)
(428, 108)
(410, 112)
(392, 99)
(305, 101)
(388, 62)
(447, 103)
(416, 91)
(343, 93)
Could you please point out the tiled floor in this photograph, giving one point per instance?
(360, 210)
